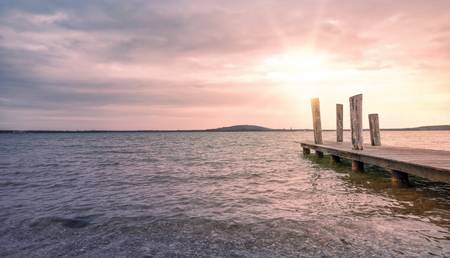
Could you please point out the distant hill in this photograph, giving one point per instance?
(252, 128)
(423, 128)
(240, 128)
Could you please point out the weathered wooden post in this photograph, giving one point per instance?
(374, 130)
(356, 126)
(317, 124)
(356, 121)
(339, 122)
(339, 130)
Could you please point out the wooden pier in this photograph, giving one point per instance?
(430, 164)
(433, 165)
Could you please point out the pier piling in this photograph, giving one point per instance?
(374, 130)
(356, 121)
(399, 179)
(335, 159)
(306, 151)
(357, 166)
(339, 122)
(319, 153)
(317, 124)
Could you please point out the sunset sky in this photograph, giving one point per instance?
(204, 64)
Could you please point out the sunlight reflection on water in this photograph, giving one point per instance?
(210, 194)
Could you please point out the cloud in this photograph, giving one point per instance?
(88, 57)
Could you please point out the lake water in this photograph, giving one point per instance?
(210, 195)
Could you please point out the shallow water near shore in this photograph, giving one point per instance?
(249, 194)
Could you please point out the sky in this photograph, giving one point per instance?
(132, 65)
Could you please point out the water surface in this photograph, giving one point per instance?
(210, 195)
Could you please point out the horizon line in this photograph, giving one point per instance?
(220, 129)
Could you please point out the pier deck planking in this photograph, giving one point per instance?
(430, 164)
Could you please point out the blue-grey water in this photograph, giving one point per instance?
(210, 195)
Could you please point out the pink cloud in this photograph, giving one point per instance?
(179, 63)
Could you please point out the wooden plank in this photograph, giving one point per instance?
(317, 124)
(374, 130)
(430, 164)
(339, 122)
(356, 123)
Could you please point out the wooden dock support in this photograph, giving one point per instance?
(335, 159)
(306, 151)
(357, 166)
(356, 121)
(339, 122)
(374, 130)
(433, 165)
(317, 125)
(399, 179)
(319, 154)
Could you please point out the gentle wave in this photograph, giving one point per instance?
(210, 195)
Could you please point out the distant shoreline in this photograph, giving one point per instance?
(223, 129)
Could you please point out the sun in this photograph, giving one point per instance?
(296, 66)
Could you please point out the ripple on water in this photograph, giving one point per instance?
(208, 194)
